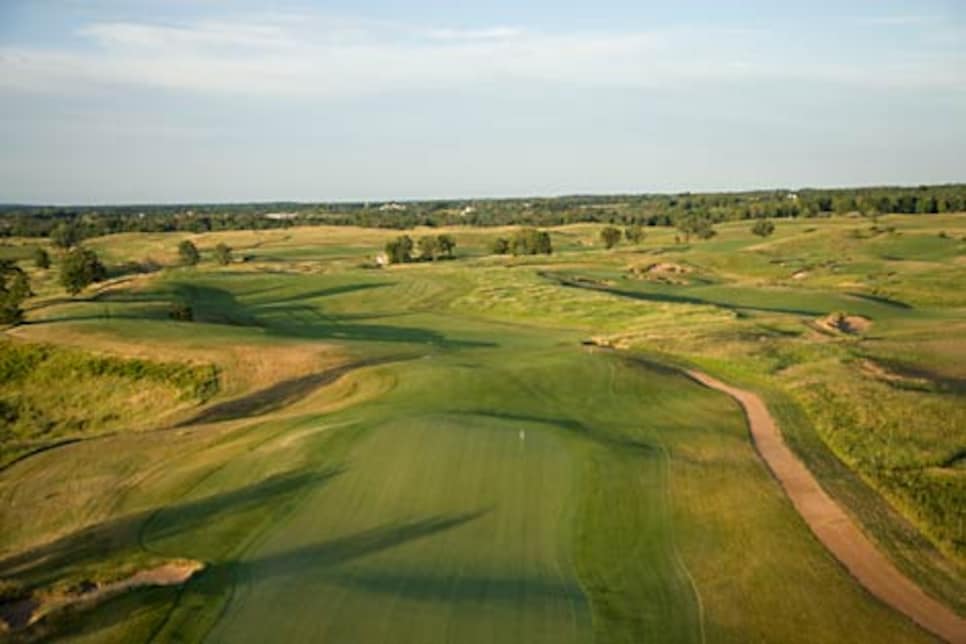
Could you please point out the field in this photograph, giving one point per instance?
(487, 448)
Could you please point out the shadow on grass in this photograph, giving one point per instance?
(280, 394)
(218, 579)
(47, 563)
(575, 428)
(434, 587)
(675, 298)
(289, 317)
(340, 550)
(878, 299)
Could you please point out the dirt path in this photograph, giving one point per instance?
(834, 528)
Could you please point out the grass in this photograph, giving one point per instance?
(38, 409)
(478, 476)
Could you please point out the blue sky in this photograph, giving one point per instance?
(109, 101)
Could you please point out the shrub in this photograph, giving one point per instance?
(223, 254)
(763, 228)
(634, 234)
(188, 253)
(610, 236)
(41, 258)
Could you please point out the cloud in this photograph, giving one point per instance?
(493, 33)
(903, 20)
(319, 56)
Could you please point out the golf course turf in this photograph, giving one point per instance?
(429, 453)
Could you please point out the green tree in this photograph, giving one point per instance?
(428, 247)
(634, 234)
(530, 241)
(697, 225)
(446, 245)
(223, 254)
(610, 236)
(500, 246)
(763, 228)
(14, 289)
(65, 235)
(188, 253)
(41, 258)
(79, 268)
(400, 249)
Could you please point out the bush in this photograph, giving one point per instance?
(223, 254)
(41, 258)
(634, 234)
(610, 236)
(500, 246)
(188, 253)
(763, 228)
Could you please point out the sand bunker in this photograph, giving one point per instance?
(844, 323)
(23, 612)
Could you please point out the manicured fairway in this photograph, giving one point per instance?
(469, 472)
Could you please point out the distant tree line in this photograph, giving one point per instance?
(66, 226)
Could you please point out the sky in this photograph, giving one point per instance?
(116, 101)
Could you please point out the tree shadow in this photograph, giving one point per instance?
(327, 292)
(281, 394)
(212, 305)
(434, 587)
(219, 578)
(675, 298)
(341, 550)
(575, 428)
(48, 563)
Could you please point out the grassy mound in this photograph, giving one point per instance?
(51, 394)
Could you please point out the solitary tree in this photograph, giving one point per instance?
(41, 258)
(610, 236)
(501, 246)
(188, 253)
(14, 288)
(763, 228)
(223, 254)
(634, 234)
(400, 249)
(79, 268)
